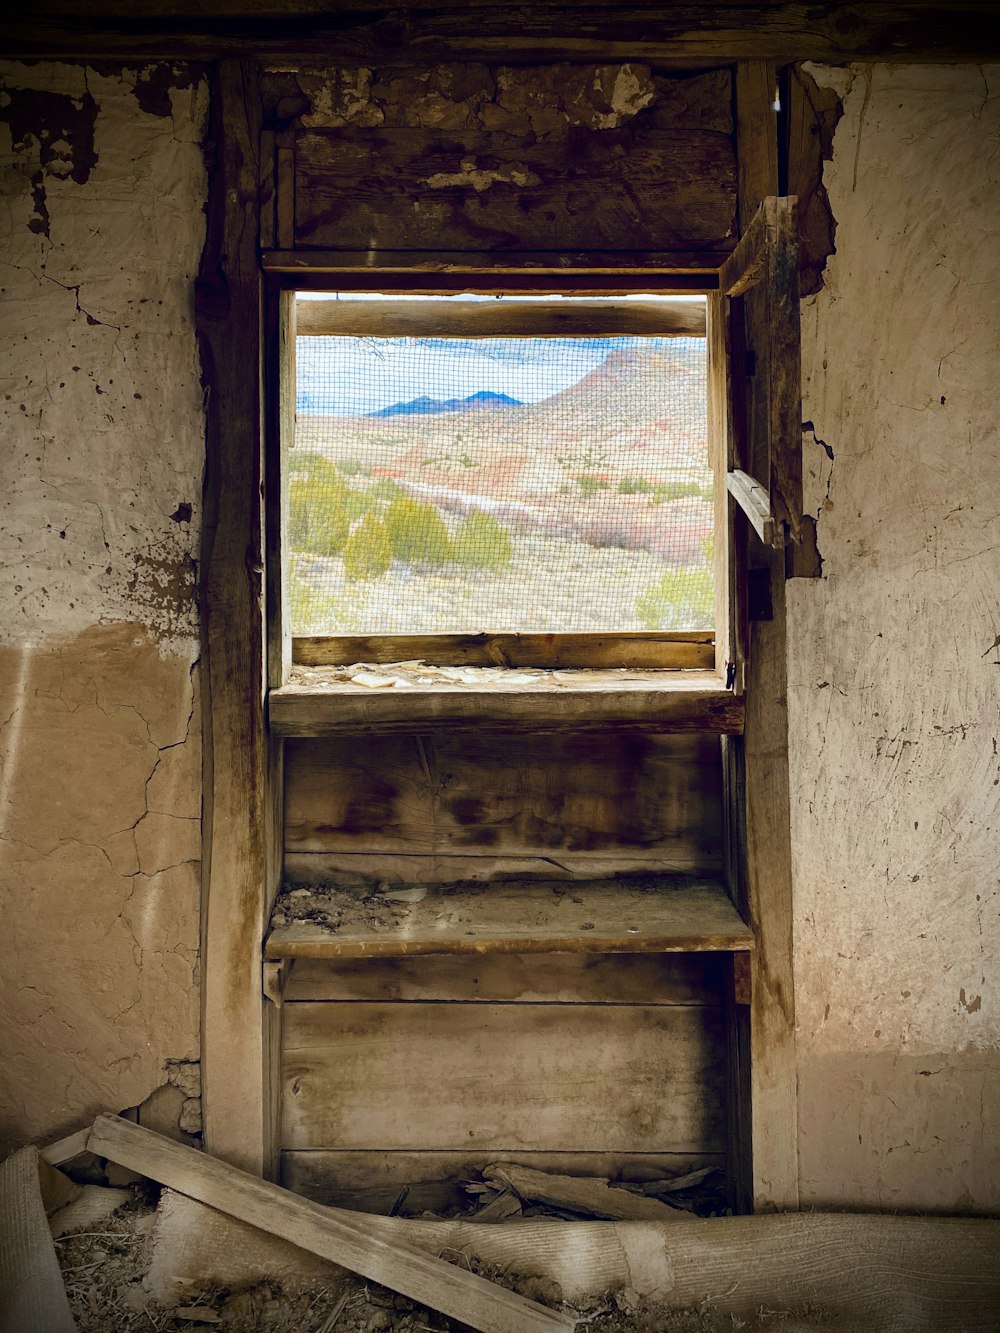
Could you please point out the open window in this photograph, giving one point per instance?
(539, 481)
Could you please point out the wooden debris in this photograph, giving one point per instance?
(580, 1194)
(32, 1296)
(502, 1206)
(675, 1183)
(64, 1150)
(344, 1238)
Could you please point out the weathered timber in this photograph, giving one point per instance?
(237, 810)
(557, 978)
(318, 704)
(503, 1078)
(497, 272)
(680, 649)
(764, 1117)
(590, 1195)
(752, 498)
(343, 1238)
(680, 35)
(657, 915)
(633, 188)
(372, 1181)
(454, 318)
(597, 802)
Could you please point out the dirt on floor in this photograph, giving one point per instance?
(103, 1270)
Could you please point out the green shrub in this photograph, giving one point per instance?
(368, 551)
(416, 531)
(683, 598)
(635, 486)
(298, 515)
(482, 543)
(665, 491)
(590, 485)
(353, 467)
(329, 527)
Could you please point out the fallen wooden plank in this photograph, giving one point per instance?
(32, 1295)
(64, 1150)
(344, 1238)
(580, 1194)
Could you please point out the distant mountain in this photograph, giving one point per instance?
(425, 406)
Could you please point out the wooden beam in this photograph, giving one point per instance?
(760, 769)
(235, 1028)
(675, 649)
(751, 497)
(652, 914)
(682, 35)
(496, 270)
(318, 703)
(455, 318)
(348, 1239)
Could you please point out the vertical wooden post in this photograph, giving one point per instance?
(764, 763)
(236, 1030)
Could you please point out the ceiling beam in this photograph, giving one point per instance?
(679, 35)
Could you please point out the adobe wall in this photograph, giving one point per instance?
(104, 182)
(893, 657)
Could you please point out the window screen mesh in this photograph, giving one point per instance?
(536, 484)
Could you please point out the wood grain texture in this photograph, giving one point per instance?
(760, 782)
(682, 35)
(454, 318)
(235, 861)
(409, 189)
(343, 1238)
(683, 650)
(372, 1181)
(620, 916)
(502, 1077)
(32, 1296)
(359, 869)
(498, 272)
(752, 498)
(556, 978)
(316, 704)
(600, 794)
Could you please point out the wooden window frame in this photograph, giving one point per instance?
(582, 316)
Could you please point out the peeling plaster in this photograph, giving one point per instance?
(102, 413)
(893, 713)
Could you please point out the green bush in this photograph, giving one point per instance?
(368, 551)
(299, 499)
(416, 532)
(482, 543)
(684, 598)
(589, 485)
(665, 491)
(635, 486)
(329, 527)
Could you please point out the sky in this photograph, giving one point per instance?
(357, 376)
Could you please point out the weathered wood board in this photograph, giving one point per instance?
(372, 1181)
(637, 187)
(496, 795)
(651, 914)
(605, 1078)
(558, 978)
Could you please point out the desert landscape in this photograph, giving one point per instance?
(587, 509)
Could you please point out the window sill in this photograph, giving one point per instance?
(325, 701)
(665, 914)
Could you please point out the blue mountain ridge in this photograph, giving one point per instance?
(425, 406)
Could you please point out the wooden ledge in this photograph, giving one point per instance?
(662, 914)
(325, 701)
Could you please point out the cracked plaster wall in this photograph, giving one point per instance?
(104, 184)
(893, 662)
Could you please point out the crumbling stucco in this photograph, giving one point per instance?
(893, 682)
(539, 101)
(104, 183)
